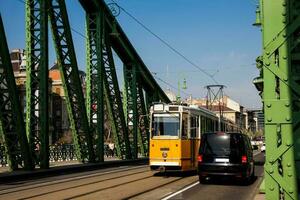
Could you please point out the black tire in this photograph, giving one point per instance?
(202, 179)
(252, 177)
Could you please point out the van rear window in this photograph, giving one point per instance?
(222, 144)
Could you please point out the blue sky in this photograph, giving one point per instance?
(216, 35)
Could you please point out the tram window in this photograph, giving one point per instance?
(216, 125)
(209, 125)
(194, 126)
(165, 125)
(203, 124)
(184, 126)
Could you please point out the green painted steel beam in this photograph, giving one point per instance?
(37, 92)
(135, 107)
(281, 93)
(130, 78)
(67, 63)
(122, 46)
(11, 118)
(95, 75)
(143, 121)
(114, 101)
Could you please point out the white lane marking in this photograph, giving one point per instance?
(119, 169)
(180, 191)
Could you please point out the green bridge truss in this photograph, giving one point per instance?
(12, 127)
(279, 85)
(27, 145)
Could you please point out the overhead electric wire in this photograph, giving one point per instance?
(166, 43)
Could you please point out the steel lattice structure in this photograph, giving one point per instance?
(12, 127)
(95, 76)
(86, 117)
(37, 92)
(69, 72)
(129, 123)
(279, 66)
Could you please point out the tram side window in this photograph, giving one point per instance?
(209, 125)
(184, 126)
(194, 126)
(216, 125)
(203, 124)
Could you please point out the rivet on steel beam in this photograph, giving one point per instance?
(271, 188)
(291, 190)
(284, 21)
(287, 104)
(284, 34)
(269, 119)
(278, 130)
(269, 105)
(286, 79)
(288, 165)
(290, 174)
(268, 53)
(271, 160)
(283, 13)
(271, 170)
(288, 143)
(288, 118)
(268, 63)
(284, 3)
(284, 57)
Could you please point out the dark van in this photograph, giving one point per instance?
(225, 154)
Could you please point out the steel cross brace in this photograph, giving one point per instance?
(12, 125)
(122, 45)
(281, 92)
(37, 115)
(67, 63)
(114, 102)
(134, 104)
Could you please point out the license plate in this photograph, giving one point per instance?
(221, 160)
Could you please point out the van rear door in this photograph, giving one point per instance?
(222, 148)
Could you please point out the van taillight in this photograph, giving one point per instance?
(244, 159)
(199, 158)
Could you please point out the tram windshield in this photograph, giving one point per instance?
(165, 125)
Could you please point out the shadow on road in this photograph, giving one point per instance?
(230, 181)
(176, 174)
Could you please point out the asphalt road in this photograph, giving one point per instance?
(224, 189)
(127, 182)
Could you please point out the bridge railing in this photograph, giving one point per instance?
(58, 153)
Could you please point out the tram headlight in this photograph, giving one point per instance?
(164, 154)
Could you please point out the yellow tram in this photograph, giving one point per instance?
(175, 135)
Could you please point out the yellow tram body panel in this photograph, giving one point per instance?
(174, 154)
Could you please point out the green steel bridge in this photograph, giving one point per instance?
(279, 86)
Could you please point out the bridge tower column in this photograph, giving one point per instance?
(37, 91)
(95, 79)
(281, 93)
